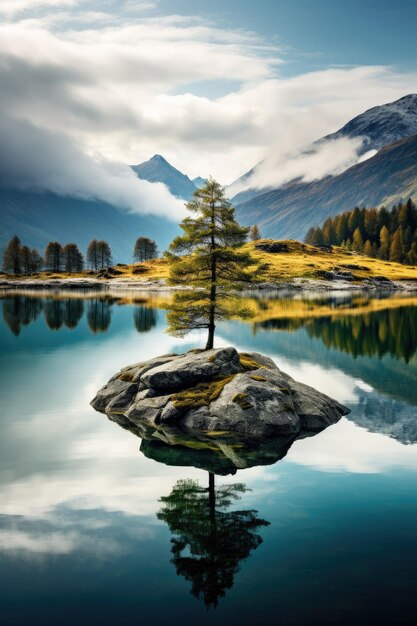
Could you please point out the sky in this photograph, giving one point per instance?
(89, 86)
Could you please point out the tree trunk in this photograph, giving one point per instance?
(211, 329)
(213, 278)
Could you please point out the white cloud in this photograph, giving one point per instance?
(312, 163)
(122, 87)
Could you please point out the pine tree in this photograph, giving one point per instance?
(53, 256)
(254, 233)
(357, 240)
(396, 251)
(384, 238)
(368, 249)
(206, 257)
(412, 254)
(12, 257)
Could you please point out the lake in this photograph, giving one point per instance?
(100, 527)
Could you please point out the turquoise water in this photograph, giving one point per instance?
(324, 536)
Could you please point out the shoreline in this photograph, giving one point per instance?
(159, 285)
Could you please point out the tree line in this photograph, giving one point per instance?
(380, 233)
(19, 259)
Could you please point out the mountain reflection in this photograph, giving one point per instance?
(208, 541)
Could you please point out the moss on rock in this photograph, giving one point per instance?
(200, 395)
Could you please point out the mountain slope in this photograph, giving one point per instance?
(41, 217)
(289, 212)
(379, 126)
(158, 170)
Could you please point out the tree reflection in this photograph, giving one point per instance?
(144, 318)
(73, 312)
(393, 331)
(99, 315)
(54, 313)
(376, 333)
(20, 311)
(209, 542)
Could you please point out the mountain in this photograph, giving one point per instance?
(199, 181)
(383, 124)
(288, 212)
(158, 170)
(41, 217)
(379, 126)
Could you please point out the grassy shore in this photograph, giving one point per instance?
(299, 261)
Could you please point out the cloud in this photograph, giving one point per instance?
(327, 158)
(66, 170)
(123, 85)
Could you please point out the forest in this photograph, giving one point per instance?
(390, 235)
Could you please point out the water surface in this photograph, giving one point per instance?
(94, 531)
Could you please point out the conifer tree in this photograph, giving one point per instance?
(383, 252)
(254, 233)
(396, 251)
(12, 257)
(357, 240)
(205, 257)
(368, 249)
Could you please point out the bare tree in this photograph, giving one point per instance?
(12, 257)
(72, 258)
(145, 248)
(53, 256)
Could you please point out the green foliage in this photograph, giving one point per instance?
(205, 260)
(387, 235)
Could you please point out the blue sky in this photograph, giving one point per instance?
(320, 33)
(215, 86)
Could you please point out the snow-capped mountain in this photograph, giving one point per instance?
(383, 124)
(377, 127)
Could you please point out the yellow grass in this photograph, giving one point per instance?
(301, 261)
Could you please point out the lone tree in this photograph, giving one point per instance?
(254, 233)
(12, 257)
(205, 259)
(145, 248)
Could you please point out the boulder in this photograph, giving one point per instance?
(193, 368)
(216, 391)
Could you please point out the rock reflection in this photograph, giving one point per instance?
(208, 541)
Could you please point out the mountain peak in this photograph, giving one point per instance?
(158, 170)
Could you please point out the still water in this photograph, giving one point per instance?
(98, 527)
